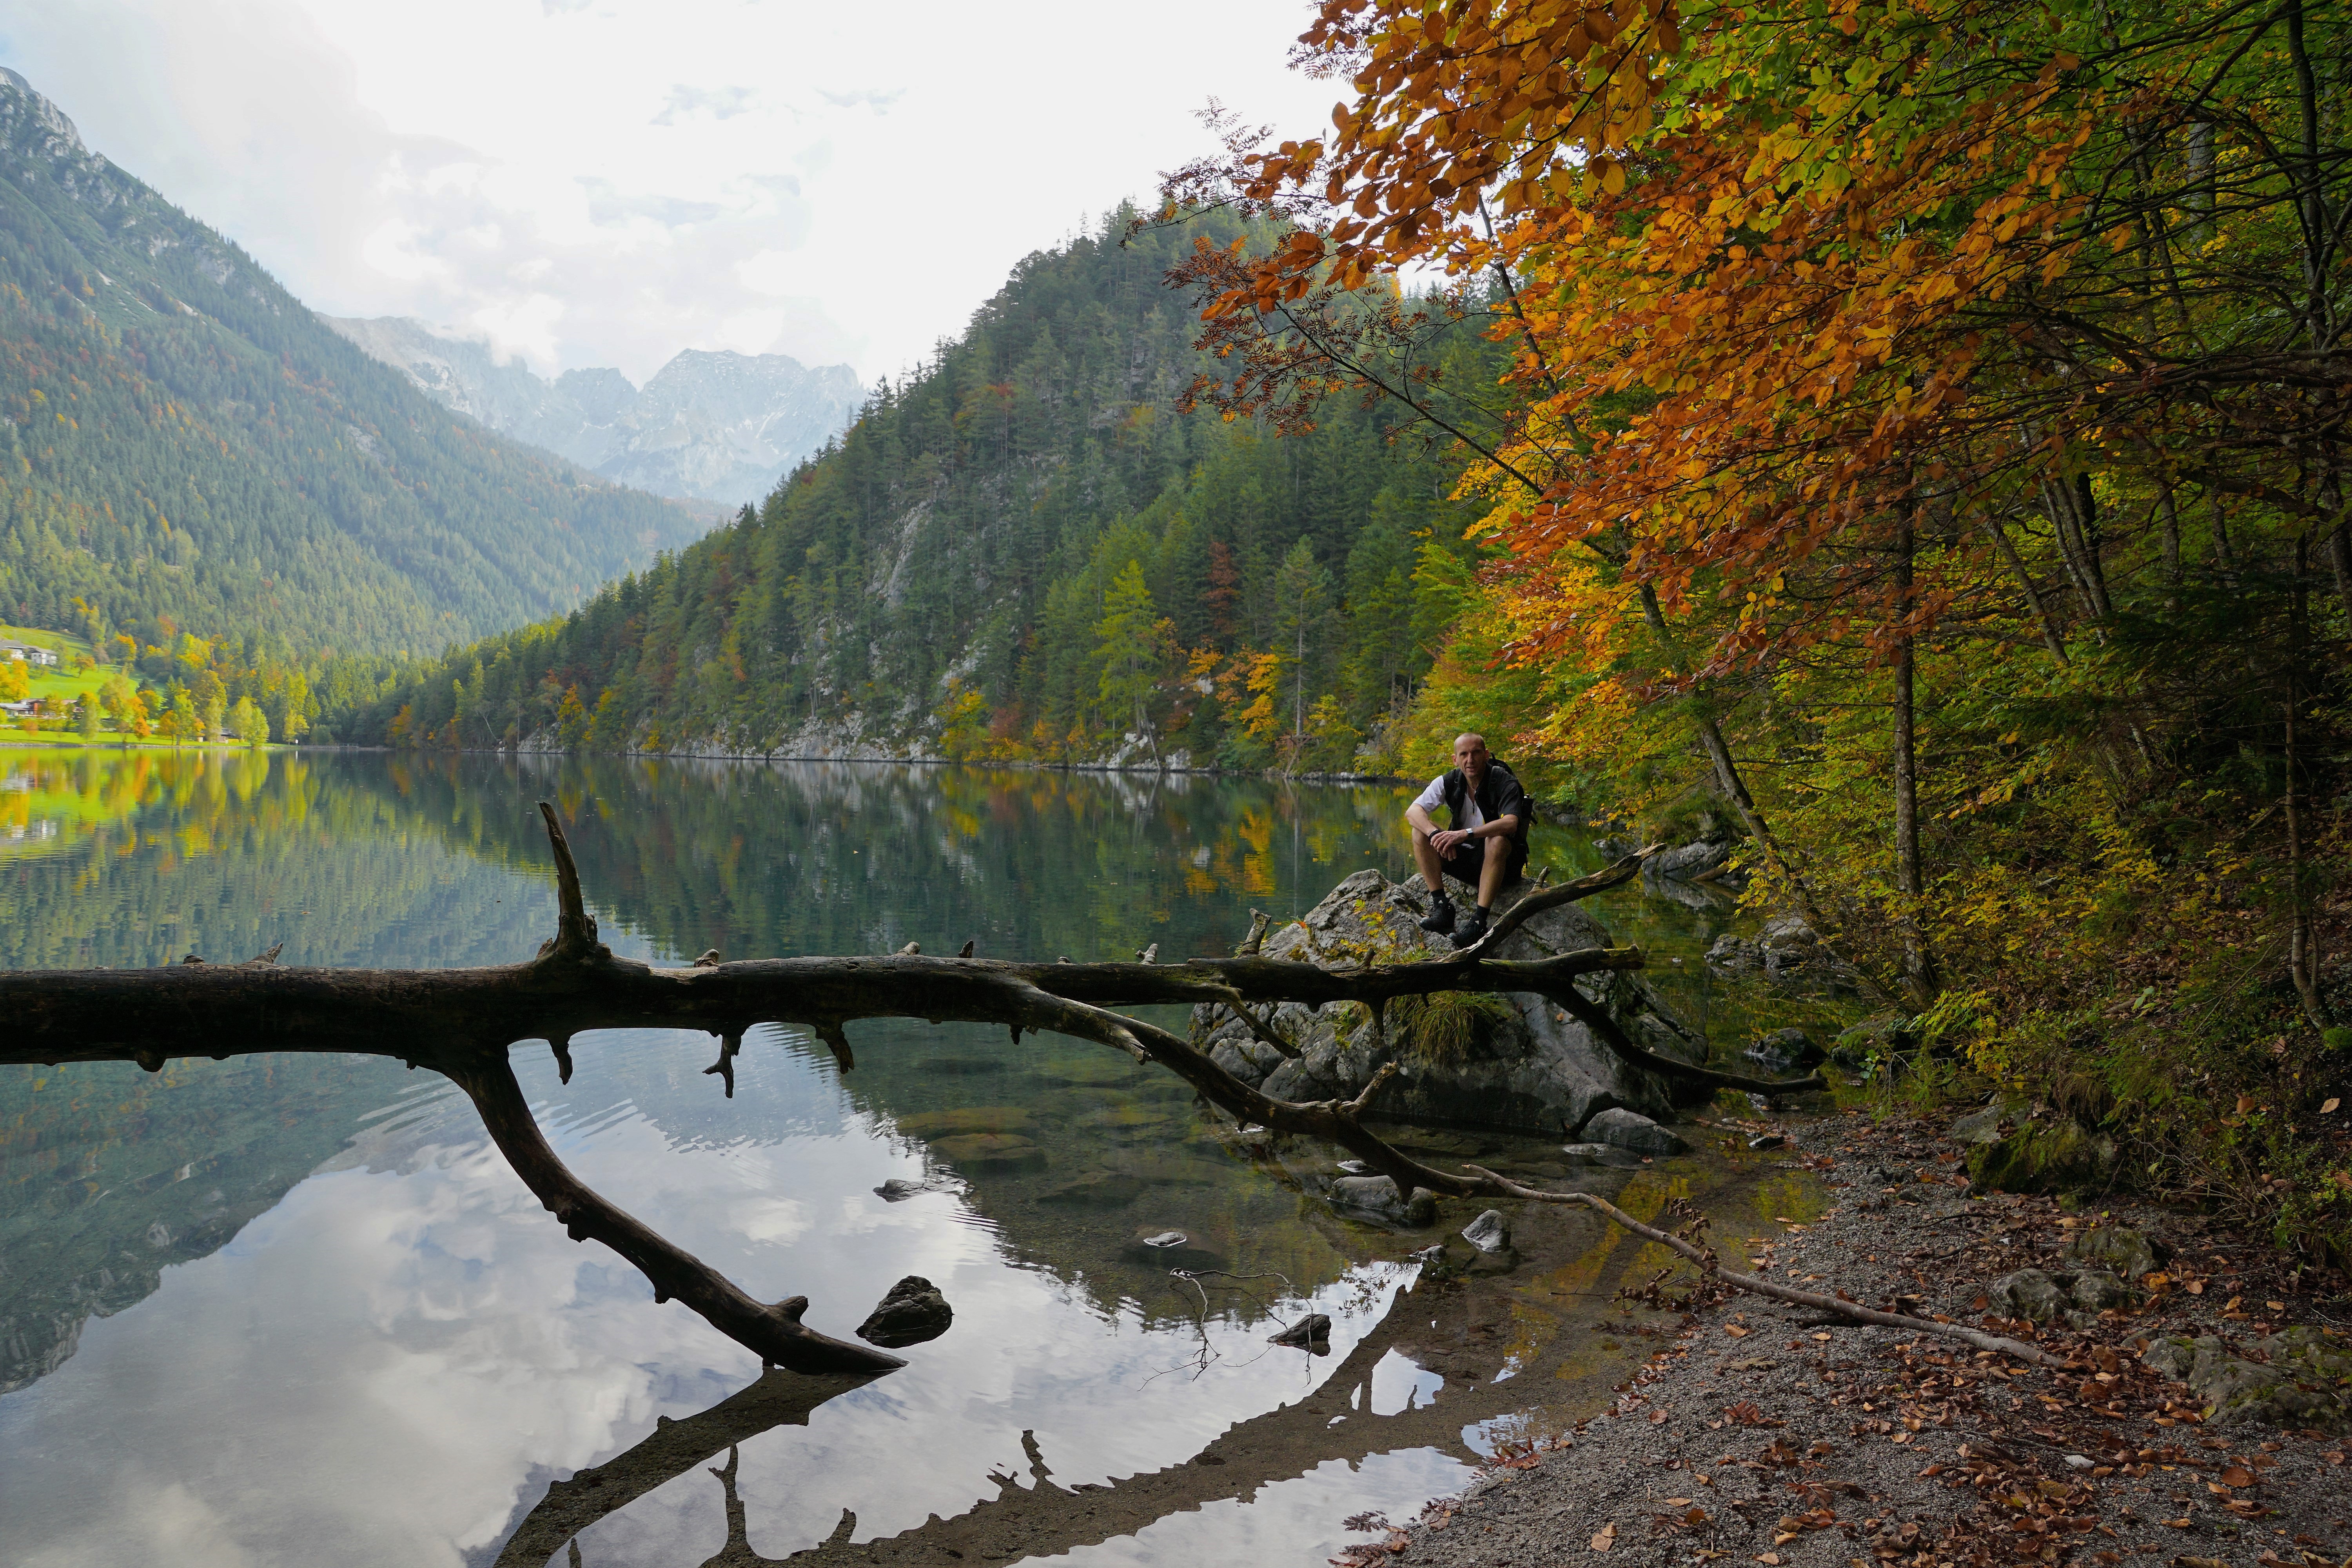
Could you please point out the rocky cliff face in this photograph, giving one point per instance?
(709, 427)
(1532, 1069)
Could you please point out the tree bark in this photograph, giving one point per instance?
(1918, 965)
(2302, 938)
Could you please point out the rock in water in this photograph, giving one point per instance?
(1632, 1129)
(1487, 1233)
(1528, 1066)
(913, 1312)
(1304, 1334)
(1687, 861)
(1607, 1155)
(1378, 1197)
(897, 1189)
(1785, 1050)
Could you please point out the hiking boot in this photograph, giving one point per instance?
(1440, 917)
(1474, 927)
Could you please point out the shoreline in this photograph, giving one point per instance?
(1756, 1433)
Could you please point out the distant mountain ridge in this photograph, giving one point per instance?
(180, 439)
(720, 426)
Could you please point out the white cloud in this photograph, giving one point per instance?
(712, 102)
(608, 181)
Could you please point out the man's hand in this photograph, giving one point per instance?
(1447, 842)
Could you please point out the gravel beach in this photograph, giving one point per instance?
(1756, 1433)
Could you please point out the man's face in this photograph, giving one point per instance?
(1470, 755)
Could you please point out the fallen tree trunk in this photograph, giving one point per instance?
(461, 1023)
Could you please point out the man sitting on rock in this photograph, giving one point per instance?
(1486, 846)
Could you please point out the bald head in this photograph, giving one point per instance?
(1470, 754)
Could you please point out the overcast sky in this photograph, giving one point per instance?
(607, 182)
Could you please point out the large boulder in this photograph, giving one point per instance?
(1514, 1063)
(1633, 1132)
(1699, 874)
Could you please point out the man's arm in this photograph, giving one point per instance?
(1445, 840)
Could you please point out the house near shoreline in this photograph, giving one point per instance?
(29, 652)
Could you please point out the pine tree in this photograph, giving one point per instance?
(1131, 648)
(1304, 615)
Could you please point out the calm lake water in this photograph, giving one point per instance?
(294, 1309)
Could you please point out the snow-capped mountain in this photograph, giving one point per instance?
(718, 426)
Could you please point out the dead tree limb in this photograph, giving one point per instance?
(461, 1023)
(774, 1331)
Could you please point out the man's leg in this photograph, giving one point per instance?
(1497, 873)
(1433, 869)
(1440, 918)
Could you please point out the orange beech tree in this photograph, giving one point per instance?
(1926, 417)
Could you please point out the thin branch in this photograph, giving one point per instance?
(1756, 1284)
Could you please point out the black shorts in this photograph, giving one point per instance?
(1469, 858)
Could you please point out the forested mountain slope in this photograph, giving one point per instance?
(1024, 550)
(180, 438)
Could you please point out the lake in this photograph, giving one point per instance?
(295, 1308)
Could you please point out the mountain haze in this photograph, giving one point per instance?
(720, 426)
(181, 438)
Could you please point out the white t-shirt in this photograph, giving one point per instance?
(1434, 796)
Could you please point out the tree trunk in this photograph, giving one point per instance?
(2302, 939)
(1918, 964)
(1735, 791)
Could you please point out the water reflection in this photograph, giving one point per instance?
(295, 1308)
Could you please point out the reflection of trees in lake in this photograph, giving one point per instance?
(108, 1173)
(369, 861)
(803, 857)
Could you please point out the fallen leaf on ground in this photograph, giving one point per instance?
(1606, 1539)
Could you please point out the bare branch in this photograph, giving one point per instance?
(1756, 1284)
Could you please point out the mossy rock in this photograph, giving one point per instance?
(962, 1067)
(1101, 1190)
(2039, 1158)
(1090, 1072)
(1169, 1170)
(2305, 1380)
(1150, 1120)
(990, 1151)
(931, 1125)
